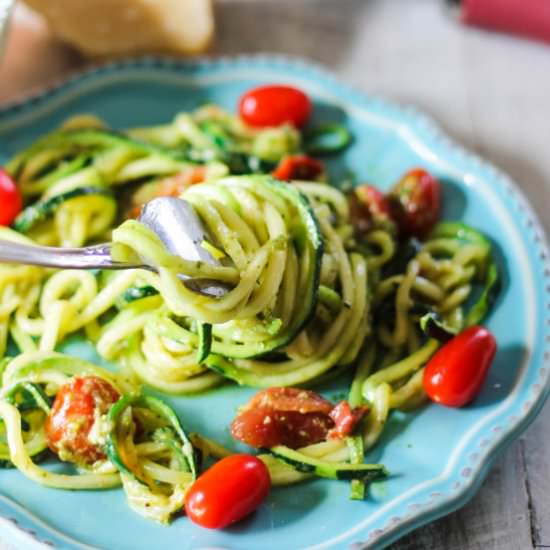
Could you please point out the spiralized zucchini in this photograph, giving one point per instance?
(308, 299)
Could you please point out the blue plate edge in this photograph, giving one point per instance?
(427, 128)
(441, 509)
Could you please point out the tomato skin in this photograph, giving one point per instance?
(293, 417)
(298, 167)
(345, 419)
(228, 491)
(369, 208)
(275, 105)
(264, 428)
(283, 416)
(416, 203)
(72, 417)
(455, 374)
(11, 200)
(290, 399)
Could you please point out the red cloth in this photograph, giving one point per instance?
(529, 18)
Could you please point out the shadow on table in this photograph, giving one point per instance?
(322, 30)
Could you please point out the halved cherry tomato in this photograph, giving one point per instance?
(345, 419)
(455, 374)
(264, 427)
(293, 417)
(290, 399)
(11, 201)
(76, 407)
(275, 105)
(368, 207)
(416, 203)
(228, 491)
(283, 416)
(298, 167)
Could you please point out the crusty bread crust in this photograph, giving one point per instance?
(119, 27)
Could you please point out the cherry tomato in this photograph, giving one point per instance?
(298, 167)
(345, 419)
(228, 491)
(416, 203)
(369, 208)
(283, 416)
(275, 105)
(76, 407)
(455, 374)
(11, 201)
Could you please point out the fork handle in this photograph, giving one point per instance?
(90, 257)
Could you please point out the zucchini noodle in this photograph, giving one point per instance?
(309, 297)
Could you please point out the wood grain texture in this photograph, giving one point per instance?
(535, 446)
(497, 518)
(489, 91)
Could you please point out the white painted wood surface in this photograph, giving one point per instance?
(489, 91)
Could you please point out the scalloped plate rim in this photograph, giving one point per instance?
(424, 513)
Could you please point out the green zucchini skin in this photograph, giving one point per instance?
(327, 139)
(42, 210)
(459, 231)
(357, 453)
(161, 409)
(487, 271)
(309, 236)
(94, 138)
(27, 396)
(205, 342)
(40, 456)
(330, 470)
(315, 237)
(135, 293)
(491, 289)
(67, 365)
(434, 326)
(6, 464)
(312, 237)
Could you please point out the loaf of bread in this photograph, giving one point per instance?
(102, 28)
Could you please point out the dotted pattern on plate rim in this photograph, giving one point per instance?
(471, 475)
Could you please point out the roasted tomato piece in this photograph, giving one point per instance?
(293, 417)
(345, 419)
(416, 203)
(265, 427)
(283, 416)
(290, 399)
(78, 405)
(369, 209)
(298, 167)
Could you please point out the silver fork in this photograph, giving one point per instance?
(173, 220)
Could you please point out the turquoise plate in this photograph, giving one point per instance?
(437, 457)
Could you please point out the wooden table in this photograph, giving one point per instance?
(489, 91)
